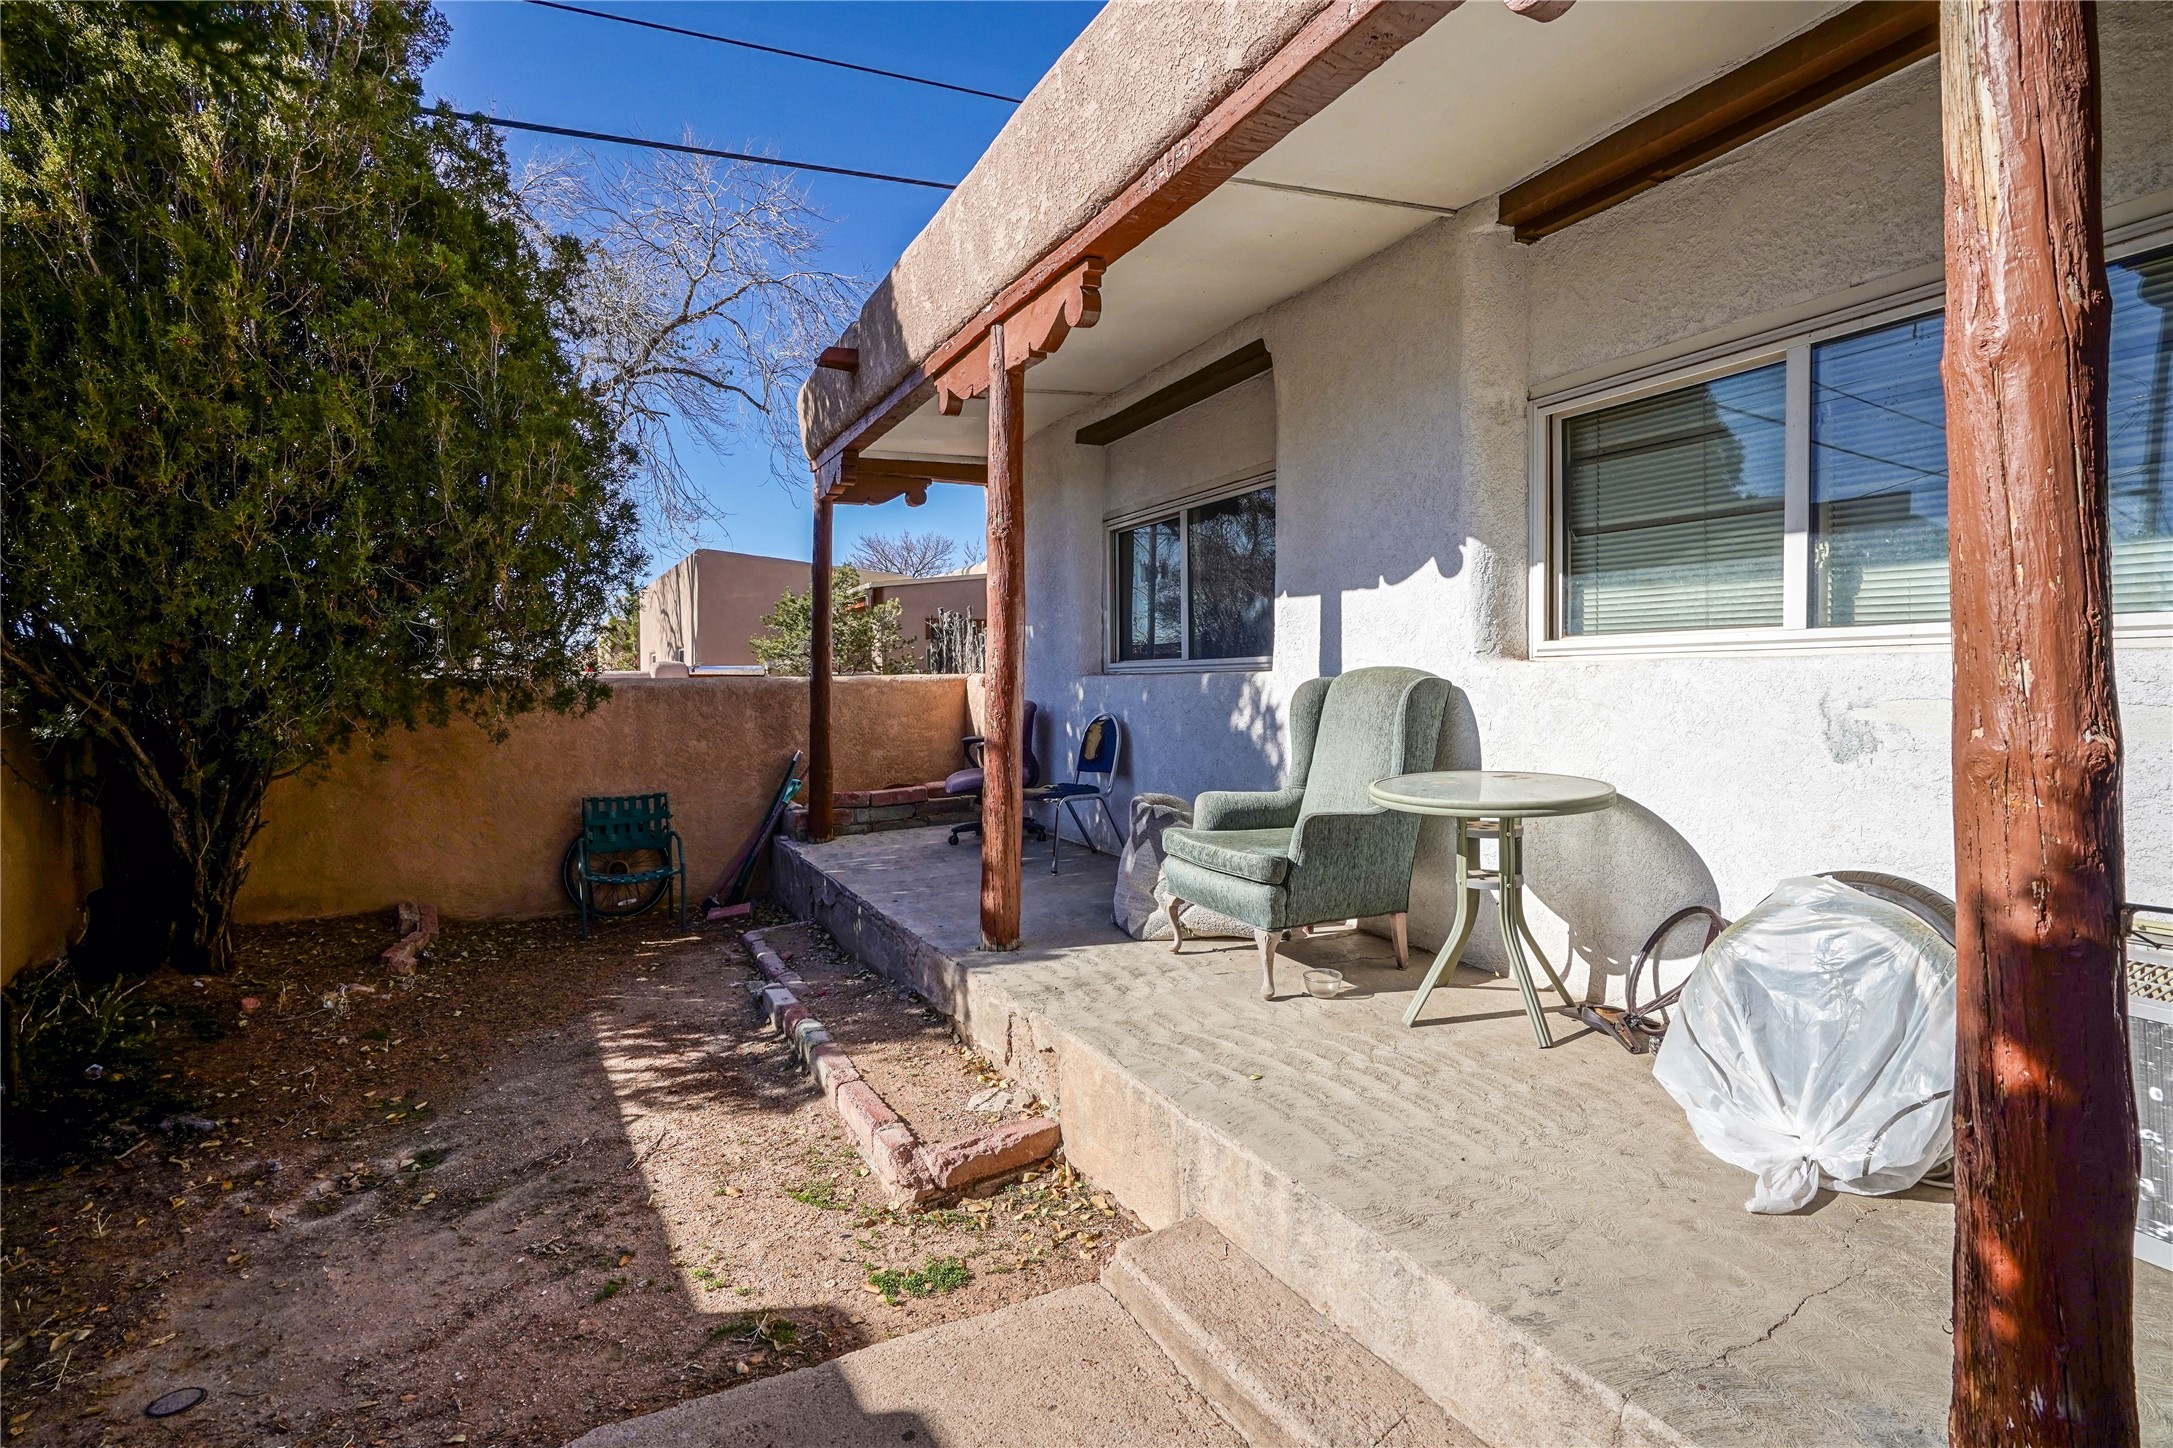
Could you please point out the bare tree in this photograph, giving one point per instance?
(698, 310)
(915, 555)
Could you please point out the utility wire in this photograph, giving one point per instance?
(773, 50)
(698, 150)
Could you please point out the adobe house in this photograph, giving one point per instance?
(1590, 356)
(1654, 476)
(704, 610)
(921, 600)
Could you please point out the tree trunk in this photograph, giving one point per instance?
(2045, 1148)
(173, 856)
(1003, 756)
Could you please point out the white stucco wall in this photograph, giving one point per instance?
(1400, 434)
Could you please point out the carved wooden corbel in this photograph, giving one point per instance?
(1031, 333)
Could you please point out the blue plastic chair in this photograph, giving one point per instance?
(621, 825)
(1093, 777)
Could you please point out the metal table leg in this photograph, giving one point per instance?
(1516, 933)
(1466, 847)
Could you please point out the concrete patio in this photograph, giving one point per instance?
(1534, 1239)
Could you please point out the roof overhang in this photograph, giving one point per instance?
(1365, 125)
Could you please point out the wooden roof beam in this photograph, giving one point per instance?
(1864, 43)
(1220, 375)
(857, 479)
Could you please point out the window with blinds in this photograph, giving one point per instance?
(1879, 477)
(2139, 432)
(1673, 509)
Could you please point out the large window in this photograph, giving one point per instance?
(1805, 486)
(1879, 477)
(1198, 584)
(1672, 508)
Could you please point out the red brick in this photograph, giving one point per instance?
(991, 1153)
(850, 799)
(832, 1068)
(907, 794)
(895, 1159)
(864, 1112)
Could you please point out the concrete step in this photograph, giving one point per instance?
(1066, 1370)
(1284, 1375)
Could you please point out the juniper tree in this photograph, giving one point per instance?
(292, 457)
(864, 637)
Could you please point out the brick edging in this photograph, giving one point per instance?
(909, 1172)
(418, 927)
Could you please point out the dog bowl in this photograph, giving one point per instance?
(1327, 984)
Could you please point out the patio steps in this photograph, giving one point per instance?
(1282, 1374)
(1068, 1369)
(1187, 1343)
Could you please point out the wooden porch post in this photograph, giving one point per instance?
(2045, 1148)
(1002, 836)
(821, 813)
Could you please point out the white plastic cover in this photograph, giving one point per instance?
(1815, 1038)
(1139, 905)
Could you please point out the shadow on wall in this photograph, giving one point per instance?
(1449, 563)
(1414, 524)
(1183, 733)
(1606, 880)
(1596, 884)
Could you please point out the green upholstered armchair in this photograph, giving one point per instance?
(1318, 849)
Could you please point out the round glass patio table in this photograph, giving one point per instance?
(1496, 802)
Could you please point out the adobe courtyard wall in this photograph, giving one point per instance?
(477, 826)
(48, 857)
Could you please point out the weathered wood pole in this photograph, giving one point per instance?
(1002, 758)
(2044, 1123)
(821, 805)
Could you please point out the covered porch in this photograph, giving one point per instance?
(1535, 1239)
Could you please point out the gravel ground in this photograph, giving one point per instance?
(541, 1185)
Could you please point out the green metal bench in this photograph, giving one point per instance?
(626, 858)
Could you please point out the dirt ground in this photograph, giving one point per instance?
(542, 1185)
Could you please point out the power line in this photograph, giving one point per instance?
(773, 50)
(697, 150)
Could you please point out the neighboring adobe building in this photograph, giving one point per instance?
(704, 610)
(920, 600)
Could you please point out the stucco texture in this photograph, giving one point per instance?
(477, 828)
(706, 608)
(48, 858)
(1137, 78)
(1401, 448)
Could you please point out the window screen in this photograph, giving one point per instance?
(1233, 577)
(2139, 432)
(1879, 477)
(1150, 591)
(1673, 509)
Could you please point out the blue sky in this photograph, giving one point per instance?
(534, 64)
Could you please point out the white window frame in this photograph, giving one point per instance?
(1181, 508)
(1790, 345)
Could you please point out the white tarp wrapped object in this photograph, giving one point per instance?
(1815, 1039)
(1139, 907)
